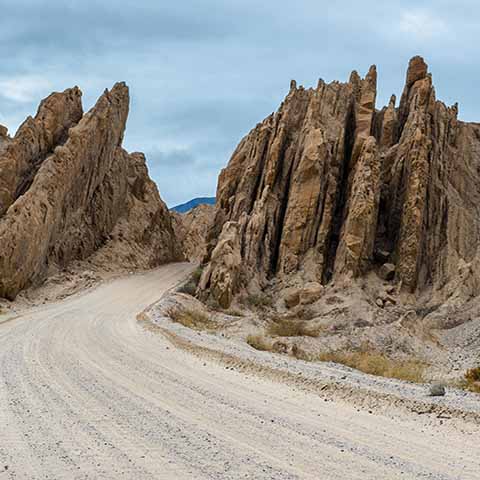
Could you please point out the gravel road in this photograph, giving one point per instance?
(87, 392)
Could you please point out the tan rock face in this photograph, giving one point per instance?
(34, 141)
(329, 186)
(191, 230)
(3, 133)
(222, 275)
(75, 189)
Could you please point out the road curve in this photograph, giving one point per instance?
(86, 392)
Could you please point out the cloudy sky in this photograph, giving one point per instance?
(202, 73)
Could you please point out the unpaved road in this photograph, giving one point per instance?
(86, 392)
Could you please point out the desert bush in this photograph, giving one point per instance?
(259, 342)
(260, 300)
(283, 327)
(193, 319)
(196, 275)
(472, 379)
(233, 312)
(190, 286)
(424, 311)
(378, 364)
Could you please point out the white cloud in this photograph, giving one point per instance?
(24, 88)
(422, 24)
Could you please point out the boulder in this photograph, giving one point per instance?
(387, 271)
(292, 299)
(311, 293)
(437, 390)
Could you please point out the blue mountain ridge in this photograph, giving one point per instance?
(186, 207)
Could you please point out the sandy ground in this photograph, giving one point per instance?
(88, 391)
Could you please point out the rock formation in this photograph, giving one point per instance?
(68, 190)
(34, 141)
(191, 230)
(329, 187)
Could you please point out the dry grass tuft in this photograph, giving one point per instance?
(259, 342)
(373, 363)
(286, 327)
(193, 319)
(472, 379)
(378, 364)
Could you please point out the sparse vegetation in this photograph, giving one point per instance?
(286, 327)
(190, 286)
(371, 362)
(422, 312)
(233, 312)
(472, 380)
(260, 300)
(378, 364)
(193, 319)
(212, 304)
(260, 342)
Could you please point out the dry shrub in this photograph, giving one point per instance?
(286, 327)
(193, 319)
(472, 379)
(190, 286)
(260, 342)
(378, 364)
(260, 300)
(233, 312)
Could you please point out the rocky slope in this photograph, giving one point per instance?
(191, 230)
(69, 190)
(329, 188)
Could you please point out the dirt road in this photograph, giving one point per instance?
(86, 392)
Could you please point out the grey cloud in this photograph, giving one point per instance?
(203, 72)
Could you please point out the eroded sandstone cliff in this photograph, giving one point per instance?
(330, 187)
(69, 190)
(191, 230)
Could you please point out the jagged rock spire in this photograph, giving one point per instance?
(69, 191)
(326, 182)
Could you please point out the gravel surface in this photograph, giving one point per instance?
(88, 391)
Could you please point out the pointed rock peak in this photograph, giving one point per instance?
(417, 70)
(393, 101)
(119, 89)
(293, 85)
(354, 78)
(3, 132)
(372, 74)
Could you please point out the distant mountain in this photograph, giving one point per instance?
(185, 207)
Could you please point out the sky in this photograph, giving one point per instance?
(203, 73)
